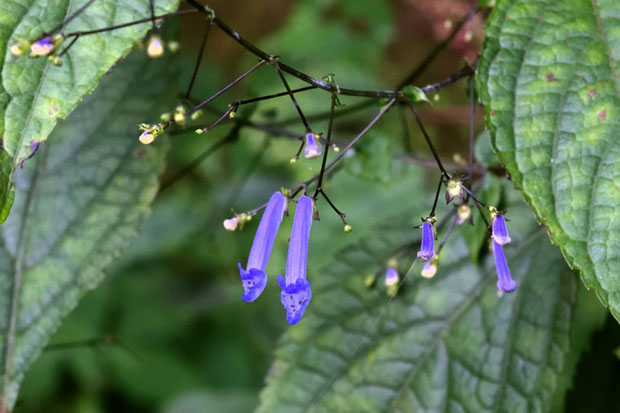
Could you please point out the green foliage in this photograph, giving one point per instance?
(446, 343)
(549, 80)
(35, 94)
(77, 204)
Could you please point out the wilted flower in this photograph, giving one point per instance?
(155, 47)
(504, 283)
(463, 213)
(296, 292)
(426, 252)
(430, 268)
(454, 189)
(254, 277)
(313, 147)
(42, 47)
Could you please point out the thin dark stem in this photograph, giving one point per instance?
(472, 108)
(275, 95)
(415, 74)
(217, 122)
(446, 235)
(319, 185)
(331, 204)
(290, 93)
(428, 141)
(228, 86)
(199, 59)
(481, 211)
(68, 19)
(301, 148)
(133, 23)
(471, 194)
(432, 214)
(152, 7)
(66, 49)
(198, 160)
(463, 72)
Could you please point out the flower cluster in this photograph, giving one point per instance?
(296, 292)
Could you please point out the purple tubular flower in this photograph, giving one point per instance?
(504, 283)
(426, 252)
(313, 149)
(500, 233)
(42, 47)
(296, 293)
(254, 277)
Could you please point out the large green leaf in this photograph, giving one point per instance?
(77, 204)
(549, 80)
(446, 344)
(34, 93)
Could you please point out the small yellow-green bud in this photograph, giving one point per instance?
(335, 148)
(294, 159)
(173, 46)
(348, 228)
(370, 279)
(232, 115)
(199, 131)
(57, 61)
(165, 117)
(196, 115)
(179, 118)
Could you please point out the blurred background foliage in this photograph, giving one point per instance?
(167, 331)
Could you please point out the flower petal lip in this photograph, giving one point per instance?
(500, 233)
(505, 282)
(426, 252)
(295, 298)
(296, 292)
(254, 277)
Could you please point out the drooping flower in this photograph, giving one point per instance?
(500, 233)
(155, 47)
(463, 214)
(430, 268)
(391, 276)
(426, 252)
(42, 47)
(296, 293)
(254, 277)
(504, 282)
(313, 147)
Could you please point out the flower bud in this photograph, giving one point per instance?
(231, 224)
(173, 46)
(464, 213)
(348, 228)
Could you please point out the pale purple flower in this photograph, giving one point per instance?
(500, 233)
(42, 47)
(313, 148)
(504, 283)
(426, 252)
(391, 276)
(254, 277)
(296, 293)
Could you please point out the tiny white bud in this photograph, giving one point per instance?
(146, 138)
(231, 224)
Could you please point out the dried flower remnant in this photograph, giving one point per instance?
(430, 268)
(426, 252)
(313, 147)
(464, 214)
(454, 189)
(254, 277)
(296, 292)
(42, 47)
(231, 224)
